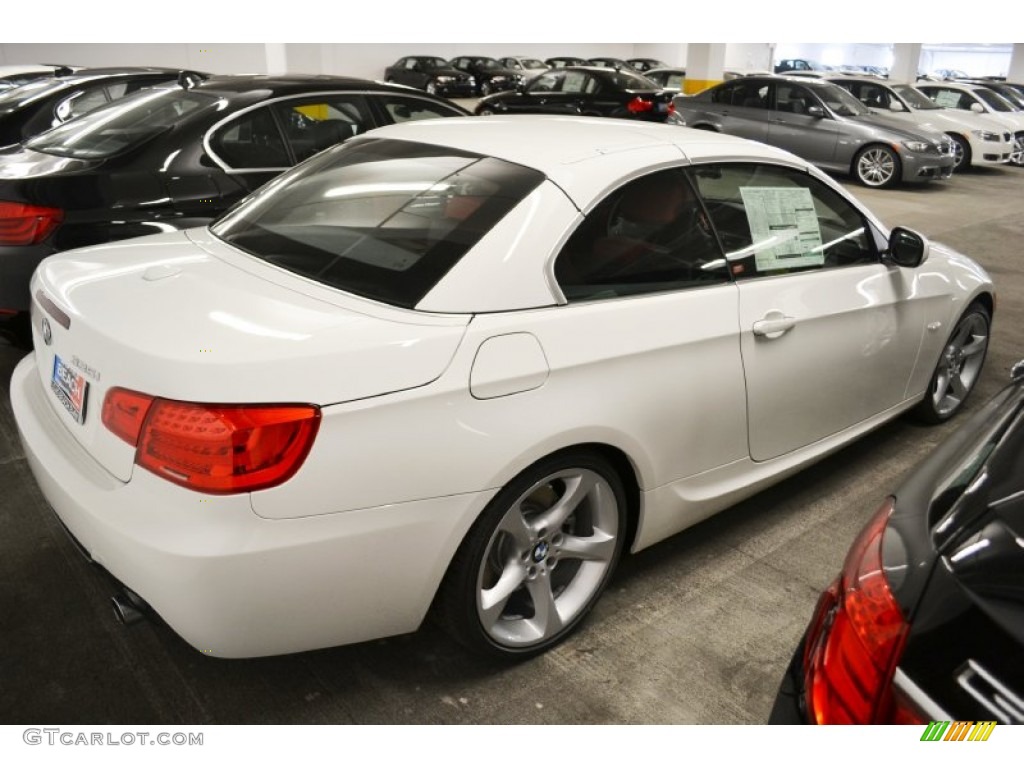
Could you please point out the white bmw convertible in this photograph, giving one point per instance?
(464, 365)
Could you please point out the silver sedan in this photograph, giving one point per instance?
(822, 123)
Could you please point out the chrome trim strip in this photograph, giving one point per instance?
(913, 692)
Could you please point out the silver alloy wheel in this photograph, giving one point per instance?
(432, 88)
(485, 88)
(876, 166)
(486, 111)
(548, 558)
(1017, 155)
(959, 152)
(960, 364)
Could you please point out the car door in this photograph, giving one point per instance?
(543, 95)
(829, 335)
(792, 126)
(743, 108)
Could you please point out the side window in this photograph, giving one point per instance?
(793, 98)
(723, 95)
(401, 109)
(82, 102)
(752, 95)
(251, 141)
(649, 235)
(774, 220)
(412, 64)
(874, 97)
(575, 82)
(548, 82)
(950, 99)
(314, 124)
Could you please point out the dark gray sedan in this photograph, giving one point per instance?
(822, 123)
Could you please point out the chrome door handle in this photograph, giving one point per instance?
(774, 325)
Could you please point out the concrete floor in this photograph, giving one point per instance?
(695, 630)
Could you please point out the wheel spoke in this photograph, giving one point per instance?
(600, 546)
(941, 386)
(959, 388)
(545, 619)
(577, 487)
(515, 526)
(493, 600)
(975, 347)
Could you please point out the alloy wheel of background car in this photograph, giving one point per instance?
(1017, 155)
(877, 166)
(959, 366)
(961, 153)
(485, 88)
(538, 557)
(486, 111)
(432, 88)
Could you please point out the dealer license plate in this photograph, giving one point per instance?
(71, 389)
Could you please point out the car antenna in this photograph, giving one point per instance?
(63, 71)
(189, 79)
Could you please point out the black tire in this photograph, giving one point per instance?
(959, 367)
(961, 153)
(877, 166)
(541, 552)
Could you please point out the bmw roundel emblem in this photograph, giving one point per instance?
(47, 332)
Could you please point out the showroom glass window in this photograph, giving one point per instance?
(774, 220)
(650, 235)
(378, 218)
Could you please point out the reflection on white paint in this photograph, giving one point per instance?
(254, 329)
(354, 190)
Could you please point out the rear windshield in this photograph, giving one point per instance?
(627, 81)
(123, 124)
(379, 218)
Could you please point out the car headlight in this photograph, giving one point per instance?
(917, 146)
(444, 79)
(987, 135)
(472, 81)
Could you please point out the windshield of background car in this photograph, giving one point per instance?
(123, 124)
(533, 64)
(840, 101)
(994, 100)
(914, 97)
(379, 218)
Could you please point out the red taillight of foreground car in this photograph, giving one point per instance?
(24, 224)
(213, 448)
(855, 639)
(638, 106)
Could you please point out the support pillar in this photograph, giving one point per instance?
(704, 65)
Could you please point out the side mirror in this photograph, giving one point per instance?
(906, 248)
(896, 106)
(976, 107)
(815, 111)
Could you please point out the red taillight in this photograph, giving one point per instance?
(855, 638)
(638, 105)
(124, 412)
(24, 224)
(213, 448)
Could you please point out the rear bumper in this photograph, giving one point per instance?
(231, 583)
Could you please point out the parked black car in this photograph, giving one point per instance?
(645, 65)
(42, 104)
(171, 158)
(560, 62)
(431, 74)
(490, 74)
(926, 621)
(584, 91)
(605, 61)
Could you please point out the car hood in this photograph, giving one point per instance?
(184, 316)
(19, 162)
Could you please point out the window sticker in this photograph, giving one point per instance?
(948, 99)
(784, 227)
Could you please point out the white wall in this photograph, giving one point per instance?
(219, 58)
(747, 56)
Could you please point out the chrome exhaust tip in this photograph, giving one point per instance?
(128, 607)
